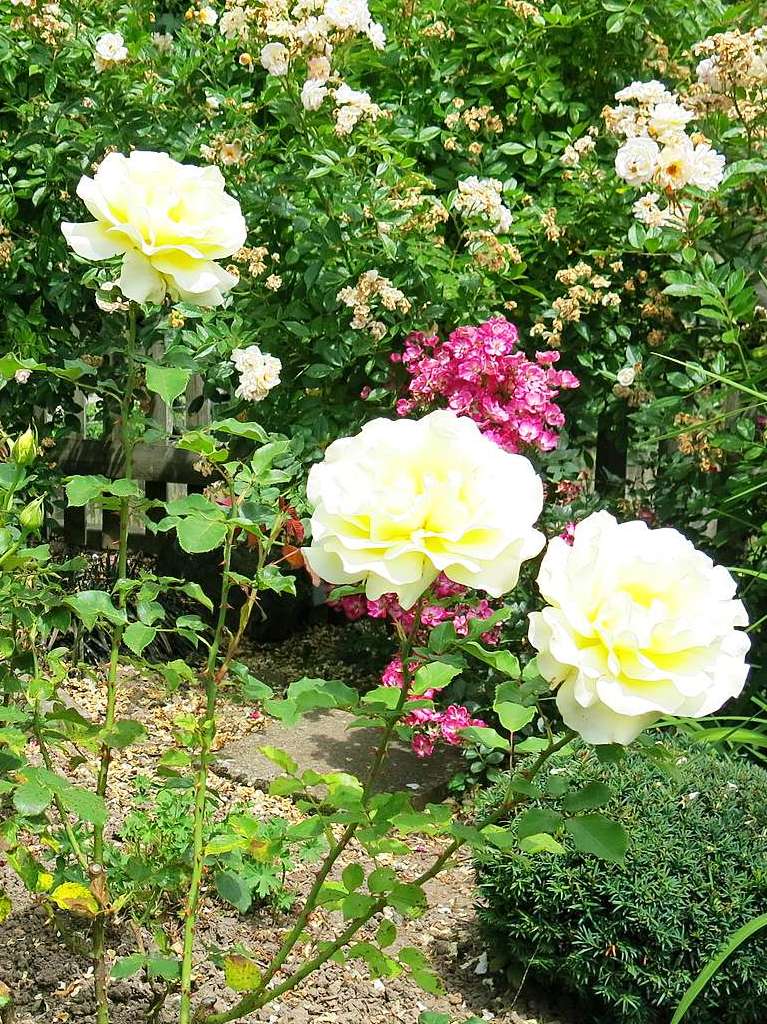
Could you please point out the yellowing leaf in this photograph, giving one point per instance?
(76, 898)
(241, 973)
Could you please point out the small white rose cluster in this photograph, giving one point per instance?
(482, 199)
(575, 151)
(657, 151)
(351, 107)
(110, 49)
(259, 373)
(309, 31)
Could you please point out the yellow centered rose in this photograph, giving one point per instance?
(640, 624)
(404, 500)
(169, 221)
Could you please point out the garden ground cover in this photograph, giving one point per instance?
(53, 984)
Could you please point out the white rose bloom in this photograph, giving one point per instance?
(110, 49)
(405, 499)
(274, 59)
(259, 373)
(376, 35)
(707, 168)
(639, 624)
(675, 165)
(636, 160)
(313, 93)
(207, 16)
(344, 94)
(669, 119)
(163, 41)
(346, 14)
(169, 222)
(626, 376)
(234, 23)
(643, 92)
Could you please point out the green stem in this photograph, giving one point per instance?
(208, 732)
(127, 442)
(62, 812)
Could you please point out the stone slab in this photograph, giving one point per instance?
(321, 740)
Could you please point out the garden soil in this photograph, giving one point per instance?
(51, 977)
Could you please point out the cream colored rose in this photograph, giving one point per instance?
(640, 624)
(312, 94)
(169, 221)
(636, 160)
(707, 167)
(275, 59)
(404, 500)
(110, 49)
(669, 119)
(676, 164)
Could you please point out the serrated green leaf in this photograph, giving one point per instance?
(595, 794)
(31, 799)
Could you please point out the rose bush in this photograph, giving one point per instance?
(442, 173)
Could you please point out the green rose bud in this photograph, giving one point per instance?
(24, 451)
(31, 516)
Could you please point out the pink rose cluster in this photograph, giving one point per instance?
(482, 374)
(461, 614)
(429, 725)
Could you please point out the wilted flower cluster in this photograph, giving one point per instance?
(657, 151)
(6, 246)
(308, 32)
(259, 373)
(696, 441)
(732, 75)
(353, 106)
(372, 288)
(575, 151)
(481, 373)
(46, 20)
(225, 151)
(470, 121)
(481, 199)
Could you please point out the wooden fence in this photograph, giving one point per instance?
(161, 471)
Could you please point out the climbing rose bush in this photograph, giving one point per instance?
(481, 373)
(169, 222)
(639, 624)
(405, 500)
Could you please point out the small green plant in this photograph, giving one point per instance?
(628, 941)
(247, 860)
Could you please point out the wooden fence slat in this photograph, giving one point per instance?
(151, 462)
